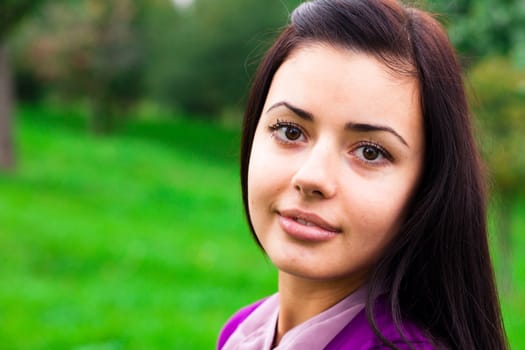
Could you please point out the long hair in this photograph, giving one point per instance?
(437, 269)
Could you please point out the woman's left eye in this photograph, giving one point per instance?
(371, 153)
(287, 132)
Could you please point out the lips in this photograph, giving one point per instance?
(308, 219)
(306, 226)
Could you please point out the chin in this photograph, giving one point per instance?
(314, 273)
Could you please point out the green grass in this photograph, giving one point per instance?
(136, 241)
(128, 242)
(513, 301)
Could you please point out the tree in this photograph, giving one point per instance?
(498, 96)
(11, 13)
(86, 49)
(485, 28)
(202, 57)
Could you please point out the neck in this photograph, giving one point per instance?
(301, 299)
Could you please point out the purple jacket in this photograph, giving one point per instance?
(356, 335)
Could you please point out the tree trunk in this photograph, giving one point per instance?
(7, 158)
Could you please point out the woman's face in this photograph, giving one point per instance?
(336, 155)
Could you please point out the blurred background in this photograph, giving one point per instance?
(121, 224)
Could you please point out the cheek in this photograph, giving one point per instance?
(378, 207)
(260, 178)
(269, 172)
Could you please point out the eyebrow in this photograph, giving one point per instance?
(358, 127)
(361, 127)
(298, 111)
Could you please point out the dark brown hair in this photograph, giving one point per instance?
(438, 268)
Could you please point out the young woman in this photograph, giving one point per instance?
(362, 183)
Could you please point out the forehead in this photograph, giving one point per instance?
(341, 85)
(335, 66)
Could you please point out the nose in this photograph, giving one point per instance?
(316, 176)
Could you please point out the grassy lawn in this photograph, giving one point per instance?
(513, 300)
(136, 241)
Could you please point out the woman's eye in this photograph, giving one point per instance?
(287, 132)
(291, 133)
(372, 153)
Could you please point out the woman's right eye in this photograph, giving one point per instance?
(287, 132)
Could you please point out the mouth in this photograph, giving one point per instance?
(309, 219)
(306, 226)
(304, 222)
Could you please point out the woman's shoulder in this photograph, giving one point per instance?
(359, 333)
(235, 320)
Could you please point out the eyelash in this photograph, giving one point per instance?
(380, 149)
(274, 128)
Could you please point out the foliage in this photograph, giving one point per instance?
(202, 57)
(197, 59)
(498, 96)
(85, 48)
(485, 28)
(12, 11)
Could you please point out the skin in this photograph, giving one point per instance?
(339, 145)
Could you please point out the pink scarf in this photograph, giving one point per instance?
(258, 330)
